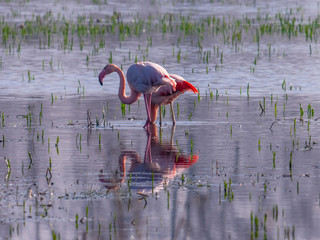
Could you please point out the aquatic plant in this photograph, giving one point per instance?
(2, 119)
(30, 160)
(8, 168)
(310, 111)
(301, 111)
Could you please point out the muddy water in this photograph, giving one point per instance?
(227, 170)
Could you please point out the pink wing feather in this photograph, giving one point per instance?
(146, 77)
(182, 84)
(166, 94)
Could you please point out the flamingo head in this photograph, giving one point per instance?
(109, 68)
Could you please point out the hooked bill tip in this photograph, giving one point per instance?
(101, 76)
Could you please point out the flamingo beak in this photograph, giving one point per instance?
(101, 76)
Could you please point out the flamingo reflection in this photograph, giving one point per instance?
(162, 161)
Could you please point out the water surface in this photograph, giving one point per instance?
(240, 163)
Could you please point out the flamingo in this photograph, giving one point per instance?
(166, 95)
(142, 77)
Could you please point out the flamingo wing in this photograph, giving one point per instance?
(166, 94)
(182, 84)
(147, 77)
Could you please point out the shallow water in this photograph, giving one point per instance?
(57, 68)
(227, 170)
(169, 184)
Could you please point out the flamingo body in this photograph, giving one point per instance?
(148, 77)
(166, 95)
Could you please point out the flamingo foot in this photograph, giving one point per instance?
(146, 125)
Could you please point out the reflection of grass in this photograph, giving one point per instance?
(31, 160)
(228, 193)
(274, 159)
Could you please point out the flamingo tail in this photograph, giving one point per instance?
(183, 86)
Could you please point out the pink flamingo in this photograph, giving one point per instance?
(166, 95)
(142, 77)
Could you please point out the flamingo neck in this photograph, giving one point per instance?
(122, 95)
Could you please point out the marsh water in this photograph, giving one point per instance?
(241, 162)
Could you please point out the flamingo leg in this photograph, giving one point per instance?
(172, 134)
(149, 106)
(172, 114)
(147, 101)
